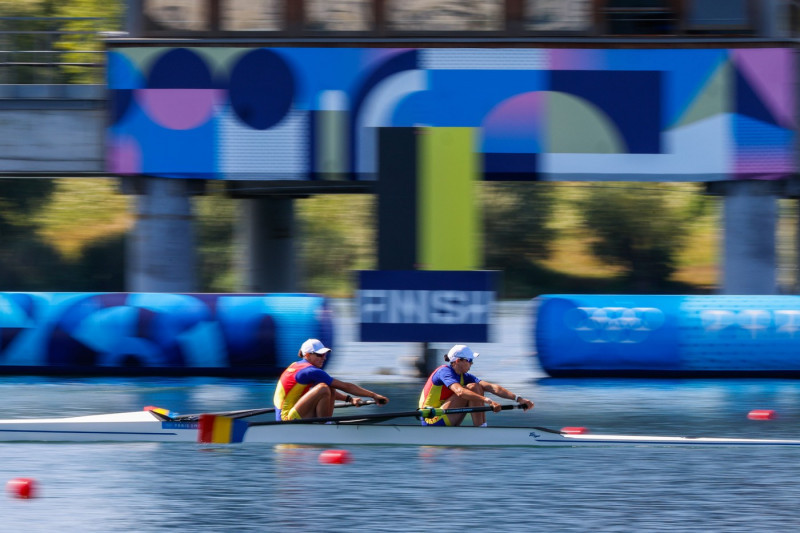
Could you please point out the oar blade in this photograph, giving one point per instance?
(160, 411)
(216, 429)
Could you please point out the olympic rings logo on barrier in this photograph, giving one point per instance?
(614, 324)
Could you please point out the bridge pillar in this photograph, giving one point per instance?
(749, 245)
(266, 238)
(161, 247)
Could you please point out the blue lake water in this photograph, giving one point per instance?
(187, 487)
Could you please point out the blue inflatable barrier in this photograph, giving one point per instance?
(683, 336)
(157, 333)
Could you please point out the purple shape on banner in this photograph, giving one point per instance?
(770, 73)
(515, 124)
(124, 155)
(179, 109)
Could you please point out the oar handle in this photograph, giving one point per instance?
(365, 402)
(430, 412)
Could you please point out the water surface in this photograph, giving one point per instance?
(187, 487)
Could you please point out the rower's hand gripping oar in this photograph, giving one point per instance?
(223, 430)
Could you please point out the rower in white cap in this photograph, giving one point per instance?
(304, 390)
(452, 386)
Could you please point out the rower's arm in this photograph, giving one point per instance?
(356, 401)
(339, 395)
(467, 394)
(352, 388)
(502, 392)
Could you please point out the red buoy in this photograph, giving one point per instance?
(762, 414)
(335, 457)
(21, 487)
(574, 430)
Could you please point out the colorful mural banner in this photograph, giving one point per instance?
(157, 333)
(538, 114)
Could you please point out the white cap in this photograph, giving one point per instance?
(314, 346)
(461, 351)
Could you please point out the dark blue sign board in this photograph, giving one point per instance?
(425, 305)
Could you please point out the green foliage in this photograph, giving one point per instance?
(100, 267)
(337, 238)
(81, 41)
(19, 198)
(30, 259)
(516, 230)
(65, 32)
(215, 216)
(516, 219)
(639, 227)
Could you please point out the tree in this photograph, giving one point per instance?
(26, 261)
(337, 237)
(516, 230)
(215, 223)
(639, 227)
(82, 42)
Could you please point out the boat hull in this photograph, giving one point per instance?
(382, 434)
(136, 426)
(145, 426)
(549, 437)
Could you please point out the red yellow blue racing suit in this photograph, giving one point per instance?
(437, 391)
(295, 381)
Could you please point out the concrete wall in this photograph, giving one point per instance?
(55, 129)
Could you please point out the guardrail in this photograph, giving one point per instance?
(51, 50)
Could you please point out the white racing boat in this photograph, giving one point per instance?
(551, 437)
(156, 425)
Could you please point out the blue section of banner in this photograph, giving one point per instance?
(157, 333)
(608, 332)
(671, 335)
(425, 306)
(740, 333)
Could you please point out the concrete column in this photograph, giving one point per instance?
(134, 18)
(266, 239)
(161, 246)
(772, 16)
(749, 258)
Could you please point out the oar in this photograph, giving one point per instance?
(221, 429)
(244, 413)
(425, 412)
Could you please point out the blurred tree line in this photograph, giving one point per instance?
(608, 236)
(69, 235)
(64, 34)
(30, 259)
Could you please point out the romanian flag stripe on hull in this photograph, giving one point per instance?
(217, 429)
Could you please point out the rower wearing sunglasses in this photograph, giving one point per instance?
(304, 390)
(452, 386)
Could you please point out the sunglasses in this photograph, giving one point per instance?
(466, 360)
(321, 354)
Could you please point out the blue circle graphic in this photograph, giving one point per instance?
(261, 88)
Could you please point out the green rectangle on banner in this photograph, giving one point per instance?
(448, 229)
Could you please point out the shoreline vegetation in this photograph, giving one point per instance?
(543, 237)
